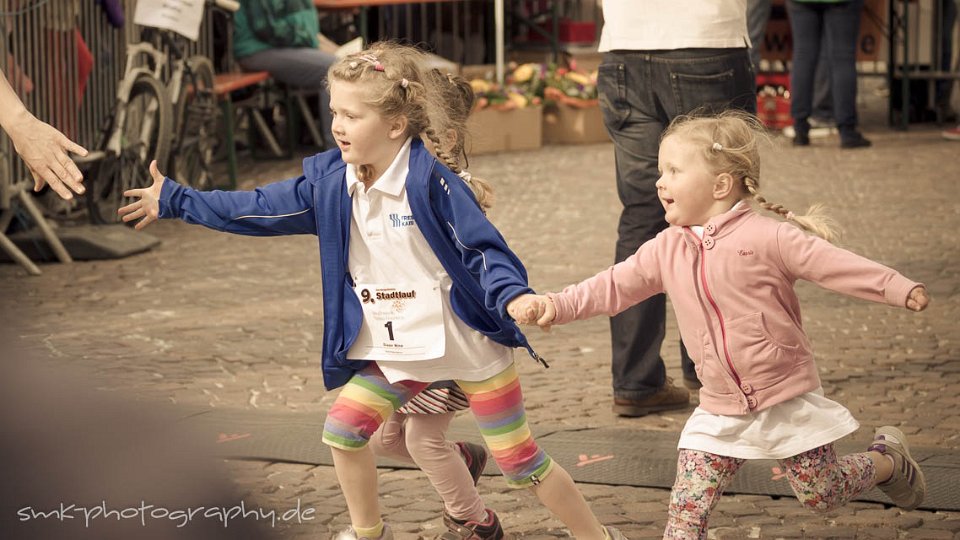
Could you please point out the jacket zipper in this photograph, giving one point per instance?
(716, 309)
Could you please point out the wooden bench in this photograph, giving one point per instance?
(224, 85)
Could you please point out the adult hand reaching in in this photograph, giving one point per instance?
(43, 148)
(45, 151)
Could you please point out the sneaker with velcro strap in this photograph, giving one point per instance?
(906, 486)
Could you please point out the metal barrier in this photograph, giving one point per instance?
(922, 47)
(64, 59)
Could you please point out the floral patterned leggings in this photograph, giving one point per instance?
(821, 481)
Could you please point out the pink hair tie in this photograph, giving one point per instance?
(790, 216)
(372, 60)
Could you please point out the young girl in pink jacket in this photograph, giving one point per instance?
(730, 273)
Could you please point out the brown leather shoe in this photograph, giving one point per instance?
(667, 398)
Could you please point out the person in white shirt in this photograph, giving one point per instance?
(667, 59)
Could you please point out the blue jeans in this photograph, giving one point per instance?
(640, 93)
(839, 25)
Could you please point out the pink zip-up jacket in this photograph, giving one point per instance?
(733, 294)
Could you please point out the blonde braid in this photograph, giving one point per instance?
(481, 188)
(814, 221)
(751, 186)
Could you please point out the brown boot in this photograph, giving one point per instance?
(667, 398)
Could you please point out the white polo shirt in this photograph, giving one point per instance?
(386, 246)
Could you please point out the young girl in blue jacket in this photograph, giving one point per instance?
(416, 281)
(416, 433)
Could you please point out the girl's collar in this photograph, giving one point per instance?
(392, 180)
(717, 222)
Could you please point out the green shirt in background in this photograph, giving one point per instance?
(260, 25)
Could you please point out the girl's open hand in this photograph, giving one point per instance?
(148, 207)
(918, 299)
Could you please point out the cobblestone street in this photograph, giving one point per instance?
(212, 320)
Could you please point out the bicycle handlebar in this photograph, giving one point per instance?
(228, 5)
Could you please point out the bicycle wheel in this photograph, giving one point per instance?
(197, 135)
(144, 136)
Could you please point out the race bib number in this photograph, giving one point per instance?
(400, 322)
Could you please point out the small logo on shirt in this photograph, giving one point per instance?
(744, 252)
(401, 221)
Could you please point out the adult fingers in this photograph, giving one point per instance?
(74, 178)
(71, 146)
(53, 180)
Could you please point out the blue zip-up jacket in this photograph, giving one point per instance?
(485, 273)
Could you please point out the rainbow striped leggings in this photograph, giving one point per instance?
(496, 403)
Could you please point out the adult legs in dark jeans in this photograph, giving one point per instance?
(944, 87)
(640, 93)
(838, 24)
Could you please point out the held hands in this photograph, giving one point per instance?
(533, 309)
(148, 207)
(918, 299)
(44, 150)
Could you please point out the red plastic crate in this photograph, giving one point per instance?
(773, 99)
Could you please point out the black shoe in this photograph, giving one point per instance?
(801, 139)
(854, 140)
(472, 530)
(476, 458)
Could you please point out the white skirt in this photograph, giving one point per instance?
(781, 431)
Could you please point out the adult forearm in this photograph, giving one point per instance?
(12, 110)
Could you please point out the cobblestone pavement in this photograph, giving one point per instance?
(209, 319)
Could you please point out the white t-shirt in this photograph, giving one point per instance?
(786, 429)
(640, 25)
(386, 246)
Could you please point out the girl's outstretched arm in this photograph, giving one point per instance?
(805, 256)
(285, 207)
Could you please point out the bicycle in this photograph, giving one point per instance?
(174, 123)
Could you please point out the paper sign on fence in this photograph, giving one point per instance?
(181, 16)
